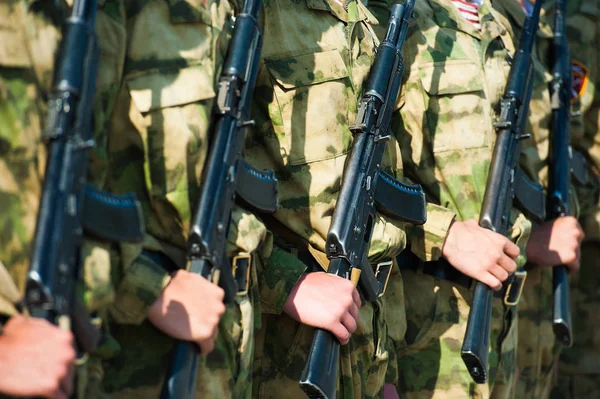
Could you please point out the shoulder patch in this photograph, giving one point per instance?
(580, 76)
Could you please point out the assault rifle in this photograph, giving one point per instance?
(505, 182)
(226, 177)
(68, 206)
(561, 166)
(365, 190)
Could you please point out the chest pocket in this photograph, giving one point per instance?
(174, 112)
(313, 93)
(455, 105)
(20, 102)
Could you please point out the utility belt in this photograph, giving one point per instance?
(241, 266)
(371, 280)
(510, 293)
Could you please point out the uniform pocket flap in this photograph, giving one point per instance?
(450, 77)
(164, 89)
(308, 69)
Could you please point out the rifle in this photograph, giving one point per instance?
(365, 190)
(505, 182)
(560, 168)
(68, 206)
(226, 177)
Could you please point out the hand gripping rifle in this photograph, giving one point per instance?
(68, 205)
(365, 190)
(226, 177)
(505, 182)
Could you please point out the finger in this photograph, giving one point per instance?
(220, 309)
(206, 346)
(499, 272)
(341, 333)
(491, 281)
(354, 311)
(576, 264)
(507, 264)
(511, 249)
(349, 322)
(66, 384)
(60, 395)
(581, 235)
(215, 334)
(356, 298)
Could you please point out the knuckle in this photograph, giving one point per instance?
(347, 301)
(331, 319)
(499, 254)
(348, 286)
(512, 267)
(221, 308)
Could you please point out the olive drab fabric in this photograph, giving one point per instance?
(158, 135)
(455, 76)
(30, 37)
(315, 59)
(21, 119)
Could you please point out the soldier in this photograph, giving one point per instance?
(37, 358)
(161, 102)
(446, 132)
(538, 349)
(579, 366)
(316, 56)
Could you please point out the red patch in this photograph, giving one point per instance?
(580, 79)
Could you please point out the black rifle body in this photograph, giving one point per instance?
(559, 172)
(504, 182)
(365, 190)
(62, 217)
(226, 177)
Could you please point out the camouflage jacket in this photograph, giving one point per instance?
(310, 79)
(160, 105)
(30, 35)
(455, 77)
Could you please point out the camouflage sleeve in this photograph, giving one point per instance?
(141, 280)
(276, 278)
(9, 293)
(426, 241)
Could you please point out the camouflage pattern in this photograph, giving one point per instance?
(579, 367)
(158, 141)
(30, 36)
(448, 104)
(316, 56)
(538, 350)
(21, 105)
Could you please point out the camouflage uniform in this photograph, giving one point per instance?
(30, 35)
(579, 367)
(538, 349)
(158, 142)
(455, 78)
(316, 56)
